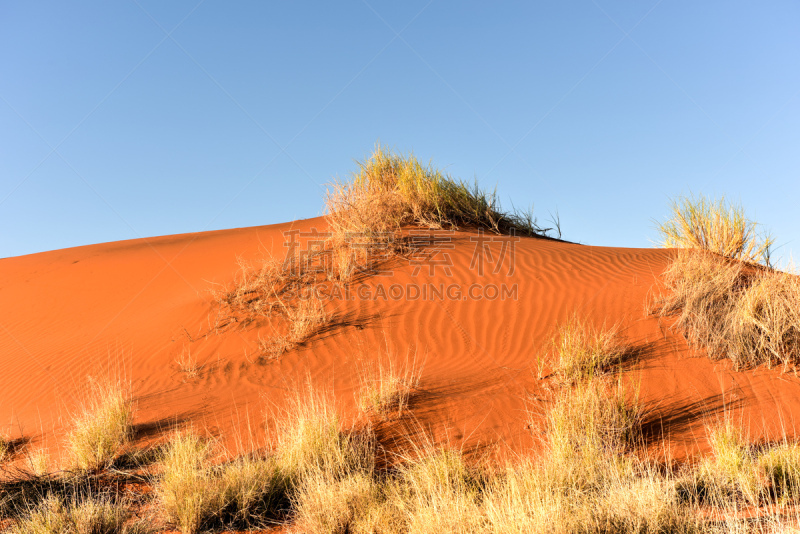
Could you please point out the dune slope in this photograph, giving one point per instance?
(474, 313)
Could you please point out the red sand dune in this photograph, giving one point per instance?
(131, 308)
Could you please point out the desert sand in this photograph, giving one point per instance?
(131, 309)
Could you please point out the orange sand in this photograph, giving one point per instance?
(131, 308)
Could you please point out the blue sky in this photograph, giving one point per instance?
(137, 118)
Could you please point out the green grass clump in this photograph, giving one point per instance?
(716, 226)
(103, 426)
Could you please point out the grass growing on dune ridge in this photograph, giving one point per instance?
(390, 190)
(366, 216)
(723, 299)
(716, 226)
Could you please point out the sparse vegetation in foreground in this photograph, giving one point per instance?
(103, 425)
(747, 312)
(322, 475)
(195, 492)
(94, 515)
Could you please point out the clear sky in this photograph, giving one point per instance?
(127, 119)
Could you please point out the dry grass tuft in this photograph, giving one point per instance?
(349, 255)
(187, 365)
(5, 447)
(102, 428)
(765, 323)
(779, 467)
(330, 472)
(310, 440)
(702, 290)
(386, 386)
(188, 493)
(89, 516)
(38, 462)
(439, 492)
(638, 500)
(589, 478)
(582, 351)
(729, 475)
(589, 426)
(715, 226)
(193, 492)
(723, 301)
(737, 474)
(306, 318)
(257, 291)
(330, 504)
(750, 315)
(285, 295)
(253, 489)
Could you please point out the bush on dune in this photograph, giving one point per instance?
(723, 299)
(716, 226)
(766, 321)
(391, 190)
